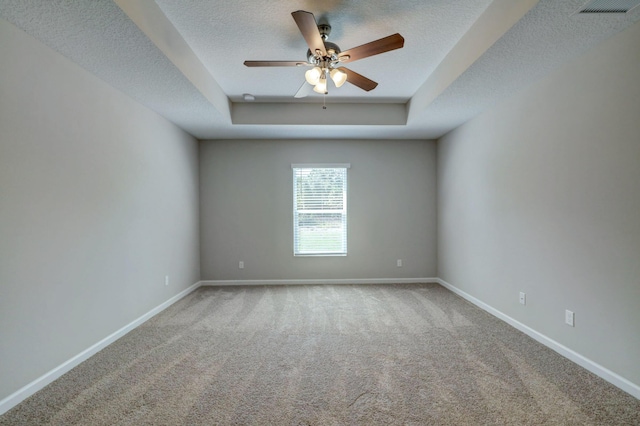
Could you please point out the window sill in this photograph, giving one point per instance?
(321, 255)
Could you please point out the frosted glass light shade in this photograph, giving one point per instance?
(321, 87)
(313, 75)
(338, 77)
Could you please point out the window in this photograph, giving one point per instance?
(320, 209)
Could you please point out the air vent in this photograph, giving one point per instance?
(609, 6)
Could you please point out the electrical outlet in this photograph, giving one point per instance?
(523, 298)
(569, 318)
(166, 280)
(241, 265)
(399, 263)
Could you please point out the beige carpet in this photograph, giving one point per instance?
(325, 355)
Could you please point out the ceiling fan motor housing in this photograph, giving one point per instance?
(332, 50)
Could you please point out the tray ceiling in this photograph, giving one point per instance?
(185, 59)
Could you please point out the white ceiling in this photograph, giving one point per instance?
(184, 59)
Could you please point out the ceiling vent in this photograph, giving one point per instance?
(609, 6)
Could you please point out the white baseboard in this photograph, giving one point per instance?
(595, 368)
(20, 395)
(14, 399)
(320, 281)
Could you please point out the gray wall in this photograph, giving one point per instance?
(542, 194)
(246, 209)
(98, 202)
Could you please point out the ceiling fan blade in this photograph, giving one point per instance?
(358, 80)
(392, 42)
(303, 91)
(275, 63)
(309, 29)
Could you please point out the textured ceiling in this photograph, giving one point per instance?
(99, 37)
(199, 86)
(550, 35)
(225, 34)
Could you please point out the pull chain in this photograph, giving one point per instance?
(324, 100)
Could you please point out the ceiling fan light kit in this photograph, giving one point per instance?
(313, 75)
(317, 77)
(339, 77)
(321, 85)
(326, 58)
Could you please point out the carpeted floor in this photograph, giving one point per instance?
(325, 355)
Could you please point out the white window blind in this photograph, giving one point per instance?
(320, 210)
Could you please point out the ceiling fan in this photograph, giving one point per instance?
(326, 58)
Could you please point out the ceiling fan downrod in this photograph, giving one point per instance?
(325, 30)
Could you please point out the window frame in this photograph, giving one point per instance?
(344, 211)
